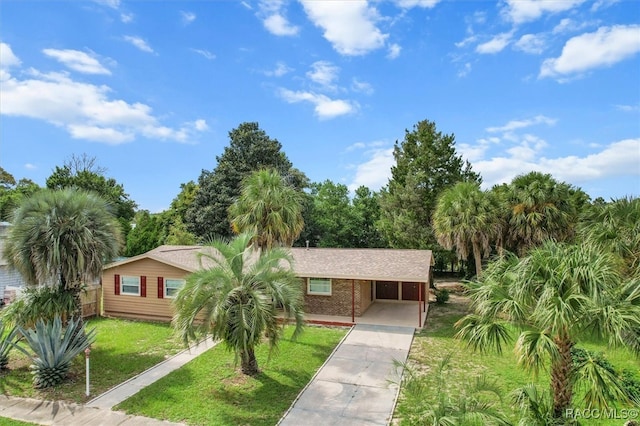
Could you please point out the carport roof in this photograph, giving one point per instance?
(363, 264)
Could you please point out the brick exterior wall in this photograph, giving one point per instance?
(339, 303)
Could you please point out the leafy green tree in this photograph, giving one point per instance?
(366, 210)
(468, 219)
(250, 149)
(541, 208)
(146, 235)
(238, 298)
(556, 296)
(426, 164)
(62, 239)
(177, 234)
(268, 207)
(615, 226)
(332, 214)
(82, 172)
(12, 192)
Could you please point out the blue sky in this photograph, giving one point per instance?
(151, 89)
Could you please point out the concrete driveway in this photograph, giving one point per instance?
(356, 384)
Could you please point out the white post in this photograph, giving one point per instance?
(86, 357)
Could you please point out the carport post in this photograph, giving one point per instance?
(419, 303)
(353, 301)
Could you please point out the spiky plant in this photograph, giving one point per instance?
(54, 348)
(7, 339)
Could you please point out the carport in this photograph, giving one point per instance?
(380, 312)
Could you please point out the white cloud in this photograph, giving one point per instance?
(531, 43)
(394, 51)
(466, 69)
(605, 47)
(350, 26)
(126, 17)
(496, 44)
(30, 166)
(84, 110)
(407, 4)
(354, 146)
(273, 15)
(280, 69)
(628, 108)
(187, 17)
(200, 125)
(114, 4)
(375, 172)
(323, 73)
(601, 4)
(569, 25)
(521, 124)
(361, 86)
(520, 11)
(324, 107)
(77, 61)
(617, 159)
(279, 25)
(8, 60)
(468, 40)
(205, 53)
(139, 43)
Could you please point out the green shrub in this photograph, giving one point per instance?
(7, 338)
(54, 348)
(442, 296)
(39, 303)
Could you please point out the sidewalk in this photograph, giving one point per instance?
(358, 383)
(97, 412)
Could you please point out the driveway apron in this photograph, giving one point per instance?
(358, 385)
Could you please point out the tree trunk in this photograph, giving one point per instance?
(249, 363)
(561, 378)
(477, 255)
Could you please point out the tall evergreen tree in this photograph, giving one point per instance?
(250, 149)
(426, 164)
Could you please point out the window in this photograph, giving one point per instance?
(130, 285)
(171, 287)
(319, 286)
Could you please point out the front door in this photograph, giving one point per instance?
(387, 290)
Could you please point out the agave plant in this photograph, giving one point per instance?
(54, 348)
(6, 343)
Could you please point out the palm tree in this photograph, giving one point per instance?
(467, 219)
(239, 297)
(268, 207)
(555, 296)
(540, 209)
(615, 226)
(62, 238)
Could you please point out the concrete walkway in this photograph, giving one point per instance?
(97, 412)
(357, 385)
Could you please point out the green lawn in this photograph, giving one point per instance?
(436, 340)
(122, 350)
(10, 422)
(210, 390)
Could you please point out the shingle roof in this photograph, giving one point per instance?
(366, 264)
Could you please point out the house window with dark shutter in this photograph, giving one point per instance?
(171, 287)
(130, 285)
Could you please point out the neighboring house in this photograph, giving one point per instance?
(11, 281)
(336, 282)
